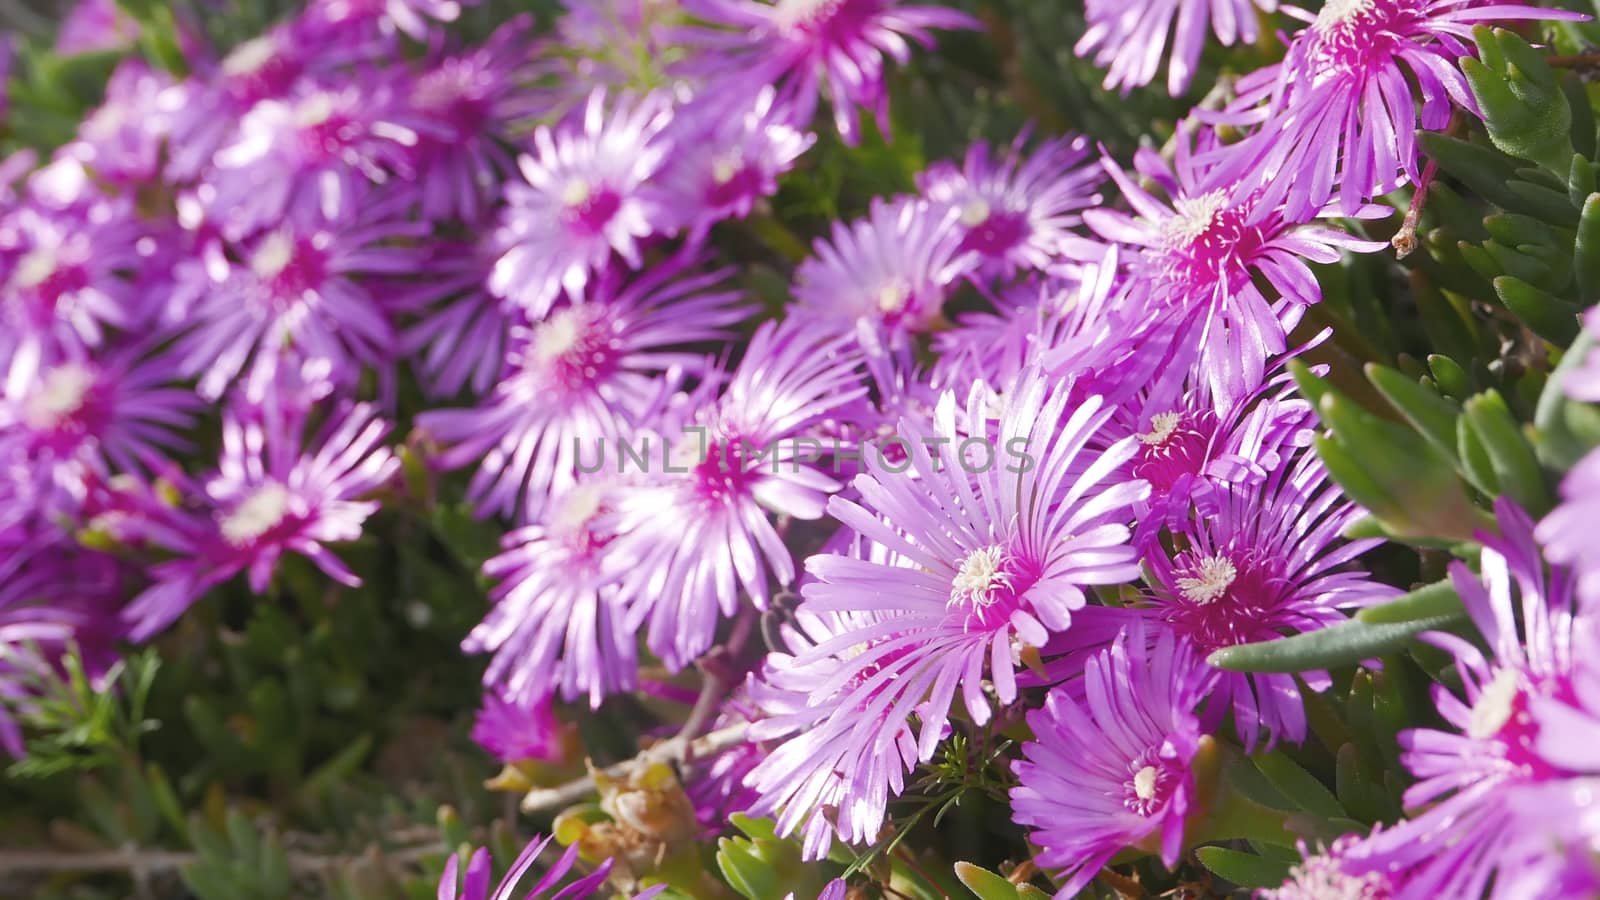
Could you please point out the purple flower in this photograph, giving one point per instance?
(588, 193)
(122, 140)
(1015, 211)
(890, 271)
(461, 109)
(1341, 109)
(729, 466)
(581, 378)
(262, 68)
(1130, 37)
(1337, 872)
(1509, 731)
(459, 331)
(804, 45)
(305, 156)
(292, 293)
(476, 883)
(1199, 257)
(1263, 560)
(273, 493)
(408, 16)
(1567, 531)
(96, 25)
(728, 159)
(985, 560)
(78, 418)
(1113, 772)
(557, 622)
(515, 732)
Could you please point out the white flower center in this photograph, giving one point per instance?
(272, 255)
(1144, 783)
(576, 193)
(1162, 425)
(260, 512)
(315, 110)
(577, 508)
(981, 573)
(59, 397)
(1211, 579)
(1495, 705)
(791, 14)
(36, 266)
(975, 213)
(249, 56)
(894, 296)
(558, 335)
(1338, 12)
(1192, 217)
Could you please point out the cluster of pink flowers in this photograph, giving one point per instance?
(197, 289)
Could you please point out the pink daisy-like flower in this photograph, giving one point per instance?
(477, 881)
(890, 271)
(515, 732)
(1514, 728)
(1018, 211)
(989, 554)
(1263, 560)
(306, 156)
(1200, 255)
(80, 417)
(1129, 39)
(1113, 772)
(728, 467)
(294, 292)
(806, 45)
(206, 114)
(273, 493)
(557, 622)
(588, 193)
(579, 380)
(1339, 114)
(729, 159)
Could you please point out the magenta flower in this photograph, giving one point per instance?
(292, 293)
(986, 559)
(890, 271)
(1340, 112)
(514, 732)
(411, 17)
(1265, 559)
(273, 493)
(1337, 871)
(262, 68)
(1129, 39)
(729, 159)
(1566, 531)
(557, 622)
(580, 380)
(476, 883)
(122, 140)
(1113, 772)
(1015, 211)
(1518, 725)
(730, 465)
(588, 193)
(80, 418)
(1200, 255)
(459, 331)
(95, 25)
(806, 45)
(305, 157)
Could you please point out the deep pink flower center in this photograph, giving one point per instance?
(825, 24)
(1151, 783)
(988, 587)
(257, 70)
(454, 95)
(1173, 449)
(325, 131)
(725, 473)
(1224, 599)
(291, 266)
(732, 183)
(67, 406)
(1352, 36)
(574, 349)
(44, 278)
(1503, 714)
(1210, 242)
(590, 208)
(997, 234)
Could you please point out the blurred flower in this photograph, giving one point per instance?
(557, 620)
(385, 16)
(476, 883)
(1336, 871)
(806, 45)
(458, 331)
(588, 193)
(1113, 772)
(274, 492)
(1264, 559)
(1567, 532)
(514, 732)
(988, 559)
(293, 293)
(122, 140)
(1516, 726)
(1018, 211)
(208, 112)
(1129, 39)
(890, 271)
(95, 25)
(582, 378)
(727, 466)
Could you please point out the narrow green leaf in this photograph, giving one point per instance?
(1510, 456)
(1344, 644)
(1429, 602)
(1545, 314)
(1300, 786)
(1586, 250)
(1433, 416)
(1243, 869)
(984, 883)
